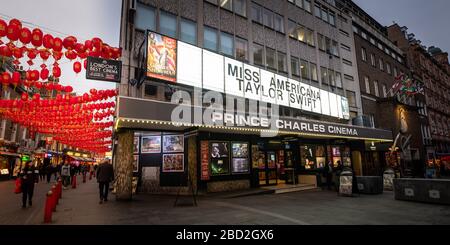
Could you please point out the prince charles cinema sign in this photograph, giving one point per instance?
(181, 63)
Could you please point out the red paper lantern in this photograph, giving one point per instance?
(93, 91)
(77, 67)
(86, 97)
(5, 51)
(69, 42)
(44, 73)
(58, 87)
(56, 71)
(24, 96)
(85, 64)
(36, 39)
(34, 75)
(71, 54)
(68, 89)
(57, 55)
(36, 97)
(88, 44)
(32, 53)
(57, 44)
(97, 43)
(48, 41)
(38, 85)
(25, 35)
(17, 53)
(16, 22)
(13, 32)
(16, 78)
(44, 54)
(3, 27)
(6, 78)
(80, 48)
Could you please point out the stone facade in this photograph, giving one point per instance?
(124, 165)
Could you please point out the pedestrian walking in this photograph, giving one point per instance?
(105, 175)
(29, 176)
(65, 174)
(49, 172)
(328, 174)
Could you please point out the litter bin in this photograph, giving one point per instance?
(388, 179)
(346, 182)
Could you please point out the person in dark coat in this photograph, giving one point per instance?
(105, 175)
(328, 174)
(29, 175)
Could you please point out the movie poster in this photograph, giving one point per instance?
(173, 143)
(240, 150)
(219, 150)
(161, 57)
(136, 145)
(151, 144)
(173, 163)
(240, 165)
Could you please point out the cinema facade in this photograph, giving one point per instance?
(191, 118)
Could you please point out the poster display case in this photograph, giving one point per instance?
(220, 161)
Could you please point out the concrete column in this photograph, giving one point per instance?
(124, 165)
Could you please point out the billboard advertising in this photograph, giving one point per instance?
(161, 57)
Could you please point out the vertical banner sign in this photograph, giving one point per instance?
(204, 156)
(161, 57)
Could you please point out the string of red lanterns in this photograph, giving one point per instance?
(82, 121)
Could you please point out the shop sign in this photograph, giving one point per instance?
(178, 62)
(204, 156)
(103, 70)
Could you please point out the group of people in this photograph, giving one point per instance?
(328, 171)
(30, 175)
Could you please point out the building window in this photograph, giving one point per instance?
(188, 31)
(347, 62)
(282, 66)
(279, 23)
(395, 72)
(241, 49)
(317, 11)
(364, 35)
(375, 86)
(292, 31)
(381, 64)
(384, 90)
(258, 55)
(307, 5)
(372, 60)
(268, 18)
(351, 96)
(324, 15)
(212, 1)
(363, 54)
(372, 41)
(304, 69)
(324, 73)
(226, 44)
(210, 38)
(332, 19)
(331, 78)
(348, 77)
(240, 7)
(168, 24)
(299, 3)
(321, 42)
(344, 33)
(338, 80)
(380, 46)
(367, 83)
(226, 4)
(257, 13)
(310, 37)
(314, 76)
(145, 17)
(294, 66)
(388, 68)
(328, 45)
(300, 31)
(270, 58)
(335, 49)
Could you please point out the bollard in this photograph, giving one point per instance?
(48, 208)
(74, 182)
(54, 198)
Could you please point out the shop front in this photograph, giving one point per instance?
(222, 157)
(8, 159)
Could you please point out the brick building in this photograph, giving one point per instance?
(379, 63)
(431, 66)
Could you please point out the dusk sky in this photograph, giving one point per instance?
(428, 20)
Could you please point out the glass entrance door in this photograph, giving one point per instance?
(268, 168)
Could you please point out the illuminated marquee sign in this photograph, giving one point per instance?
(179, 62)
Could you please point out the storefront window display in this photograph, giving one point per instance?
(240, 158)
(307, 156)
(220, 161)
(336, 154)
(346, 157)
(4, 166)
(320, 156)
